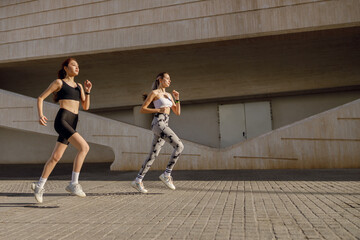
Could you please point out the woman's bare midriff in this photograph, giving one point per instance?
(70, 105)
(167, 110)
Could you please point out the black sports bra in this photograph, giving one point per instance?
(68, 92)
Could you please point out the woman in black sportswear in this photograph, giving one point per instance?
(69, 94)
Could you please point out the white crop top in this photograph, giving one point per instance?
(162, 102)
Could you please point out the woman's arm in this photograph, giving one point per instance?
(53, 87)
(145, 107)
(176, 106)
(85, 94)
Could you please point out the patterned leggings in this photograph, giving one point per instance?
(162, 133)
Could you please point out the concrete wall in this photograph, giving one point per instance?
(286, 70)
(286, 110)
(130, 144)
(29, 148)
(327, 140)
(124, 115)
(202, 72)
(44, 29)
(199, 122)
(217, 51)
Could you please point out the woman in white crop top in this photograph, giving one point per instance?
(163, 102)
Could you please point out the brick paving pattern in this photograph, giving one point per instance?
(242, 204)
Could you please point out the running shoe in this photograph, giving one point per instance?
(139, 186)
(167, 181)
(38, 192)
(75, 189)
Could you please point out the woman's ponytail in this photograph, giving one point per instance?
(155, 84)
(61, 73)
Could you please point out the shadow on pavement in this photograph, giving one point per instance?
(8, 194)
(274, 191)
(14, 194)
(27, 205)
(101, 172)
(120, 194)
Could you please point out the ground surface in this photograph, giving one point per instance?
(246, 204)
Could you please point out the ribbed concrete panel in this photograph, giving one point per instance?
(84, 8)
(7, 3)
(81, 12)
(64, 27)
(227, 69)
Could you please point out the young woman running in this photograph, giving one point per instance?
(69, 94)
(163, 102)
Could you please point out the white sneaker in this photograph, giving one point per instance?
(139, 186)
(38, 192)
(167, 181)
(75, 189)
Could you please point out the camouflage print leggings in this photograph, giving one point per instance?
(162, 133)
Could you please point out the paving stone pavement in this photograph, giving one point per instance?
(241, 204)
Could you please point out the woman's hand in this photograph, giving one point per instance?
(43, 120)
(176, 94)
(87, 86)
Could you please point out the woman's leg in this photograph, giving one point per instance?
(162, 129)
(54, 159)
(49, 166)
(178, 146)
(169, 136)
(154, 152)
(83, 148)
(157, 143)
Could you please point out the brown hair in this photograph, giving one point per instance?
(62, 74)
(156, 83)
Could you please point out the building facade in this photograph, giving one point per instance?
(242, 67)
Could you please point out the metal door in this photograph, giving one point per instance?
(241, 121)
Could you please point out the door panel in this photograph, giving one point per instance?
(238, 122)
(258, 119)
(232, 124)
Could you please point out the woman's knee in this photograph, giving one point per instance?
(180, 146)
(55, 157)
(85, 148)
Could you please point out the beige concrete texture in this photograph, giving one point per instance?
(301, 74)
(43, 29)
(327, 140)
(129, 143)
(236, 69)
(289, 109)
(23, 147)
